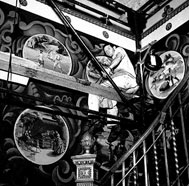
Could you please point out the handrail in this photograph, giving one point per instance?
(182, 172)
(159, 119)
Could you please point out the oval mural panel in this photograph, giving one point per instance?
(41, 137)
(46, 51)
(162, 82)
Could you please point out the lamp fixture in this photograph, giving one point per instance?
(153, 62)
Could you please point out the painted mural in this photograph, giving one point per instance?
(48, 52)
(162, 82)
(36, 145)
(40, 137)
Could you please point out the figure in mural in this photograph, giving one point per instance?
(58, 144)
(57, 62)
(122, 73)
(170, 80)
(55, 57)
(41, 58)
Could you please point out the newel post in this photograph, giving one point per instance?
(85, 172)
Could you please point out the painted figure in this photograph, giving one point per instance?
(41, 58)
(58, 144)
(55, 57)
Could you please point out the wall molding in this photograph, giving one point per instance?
(166, 25)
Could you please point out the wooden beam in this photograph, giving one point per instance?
(30, 69)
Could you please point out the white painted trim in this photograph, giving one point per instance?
(15, 78)
(176, 21)
(83, 26)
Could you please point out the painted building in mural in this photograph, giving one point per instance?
(47, 71)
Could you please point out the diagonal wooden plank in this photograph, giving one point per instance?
(30, 69)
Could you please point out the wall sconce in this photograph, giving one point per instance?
(153, 61)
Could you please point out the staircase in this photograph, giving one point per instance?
(160, 156)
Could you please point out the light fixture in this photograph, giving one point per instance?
(153, 61)
(14, 78)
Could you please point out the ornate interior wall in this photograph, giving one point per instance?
(25, 35)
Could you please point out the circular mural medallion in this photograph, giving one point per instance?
(41, 137)
(162, 82)
(46, 51)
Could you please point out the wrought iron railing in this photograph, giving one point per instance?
(160, 156)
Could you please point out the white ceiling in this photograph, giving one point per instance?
(134, 4)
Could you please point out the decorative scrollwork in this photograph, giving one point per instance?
(6, 30)
(64, 99)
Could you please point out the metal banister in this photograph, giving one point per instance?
(158, 120)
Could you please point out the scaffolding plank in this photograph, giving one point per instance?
(31, 69)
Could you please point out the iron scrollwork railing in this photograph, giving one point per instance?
(156, 157)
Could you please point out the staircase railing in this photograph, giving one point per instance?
(160, 156)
